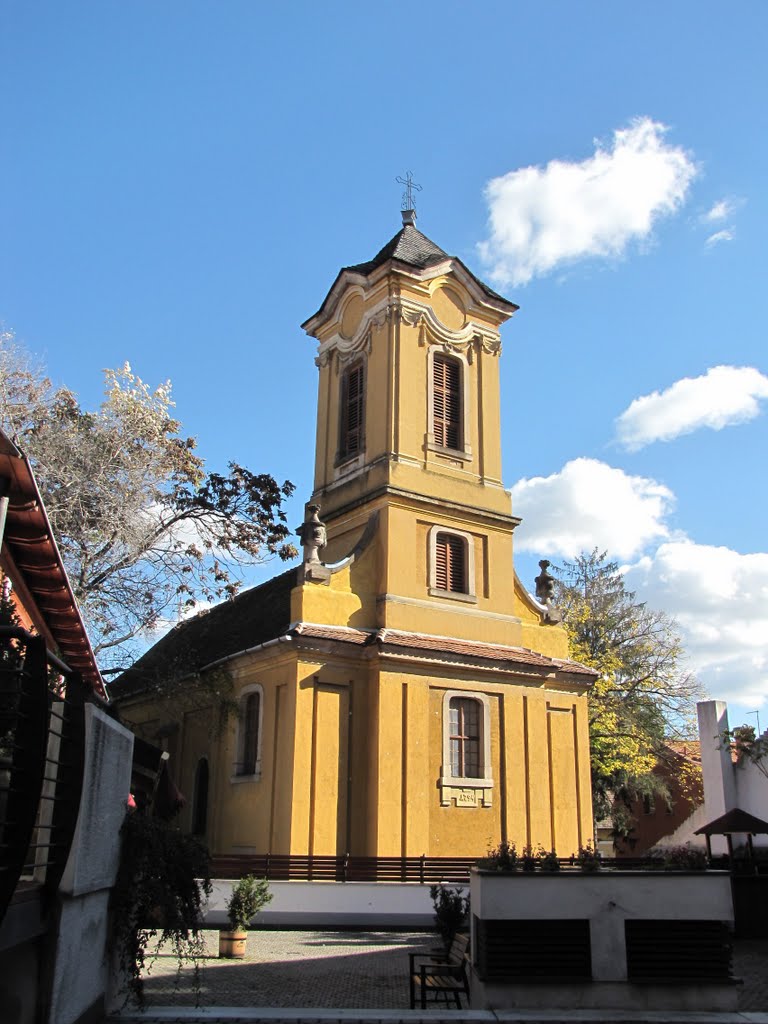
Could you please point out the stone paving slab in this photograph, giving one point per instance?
(348, 976)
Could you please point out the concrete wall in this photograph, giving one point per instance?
(607, 900)
(322, 904)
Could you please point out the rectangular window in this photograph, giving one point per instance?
(464, 738)
(446, 397)
(352, 411)
(450, 563)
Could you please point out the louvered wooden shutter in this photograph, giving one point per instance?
(353, 409)
(446, 387)
(450, 563)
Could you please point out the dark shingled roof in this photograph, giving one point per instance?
(409, 246)
(253, 617)
(732, 821)
(263, 613)
(412, 248)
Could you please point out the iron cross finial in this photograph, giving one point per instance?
(410, 185)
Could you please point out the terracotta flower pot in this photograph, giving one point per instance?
(232, 944)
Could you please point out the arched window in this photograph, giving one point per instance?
(200, 801)
(464, 728)
(248, 757)
(446, 402)
(466, 775)
(352, 412)
(448, 422)
(451, 564)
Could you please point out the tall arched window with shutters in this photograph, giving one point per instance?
(352, 412)
(446, 402)
(451, 564)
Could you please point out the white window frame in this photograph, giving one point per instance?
(484, 781)
(465, 452)
(240, 739)
(470, 595)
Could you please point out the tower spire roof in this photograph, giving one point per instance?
(408, 246)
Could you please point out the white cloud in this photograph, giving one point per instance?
(542, 217)
(590, 504)
(721, 210)
(719, 598)
(723, 396)
(726, 235)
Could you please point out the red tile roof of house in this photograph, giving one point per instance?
(441, 644)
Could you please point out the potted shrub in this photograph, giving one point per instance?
(451, 911)
(588, 859)
(528, 859)
(548, 860)
(249, 895)
(503, 857)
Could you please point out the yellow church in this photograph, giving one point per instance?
(400, 693)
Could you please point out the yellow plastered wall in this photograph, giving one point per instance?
(541, 792)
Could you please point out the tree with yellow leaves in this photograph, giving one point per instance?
(643, 696)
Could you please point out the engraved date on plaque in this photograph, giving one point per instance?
(466, 798)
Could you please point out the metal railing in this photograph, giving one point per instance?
(41, 761)
(348, 868)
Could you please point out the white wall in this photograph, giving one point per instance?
(728, 785)
(322, 904)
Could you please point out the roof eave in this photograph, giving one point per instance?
(503, 308)
(29, 514)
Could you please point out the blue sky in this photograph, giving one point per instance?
(181, 182)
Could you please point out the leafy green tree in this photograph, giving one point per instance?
(643, 695)
(144, 528)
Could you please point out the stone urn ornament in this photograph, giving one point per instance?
(313, 537)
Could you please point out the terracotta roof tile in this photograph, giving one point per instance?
(343, 633)
(440, 644)
(262, 614)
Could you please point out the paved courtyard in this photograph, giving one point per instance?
(346, 969)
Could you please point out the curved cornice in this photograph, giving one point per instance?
(414, 314)
(481, 296)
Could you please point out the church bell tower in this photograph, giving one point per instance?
(408, 431)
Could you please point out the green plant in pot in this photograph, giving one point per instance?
(451, 911)
(248, 897)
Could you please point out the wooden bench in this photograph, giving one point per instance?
(439, 975)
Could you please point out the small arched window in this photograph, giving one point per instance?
(250, 714)
(452, 564)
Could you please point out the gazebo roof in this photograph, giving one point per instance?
(732, 821)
